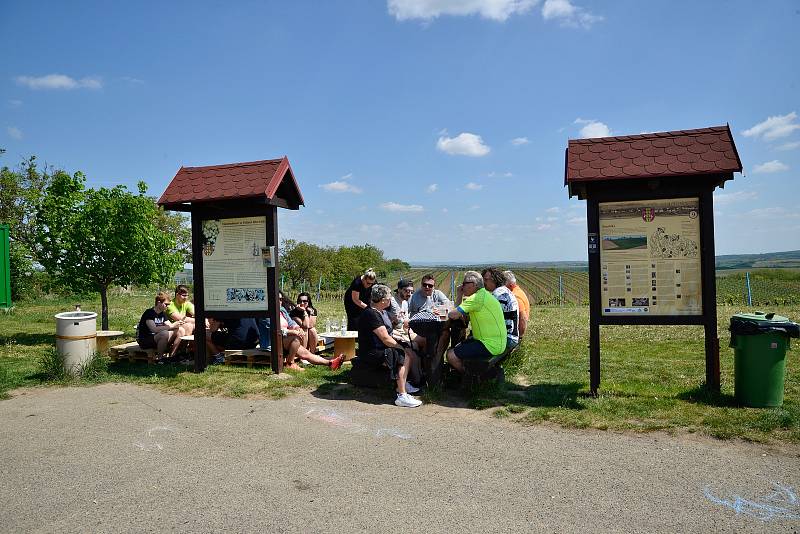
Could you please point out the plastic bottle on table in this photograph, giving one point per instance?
(344, 325)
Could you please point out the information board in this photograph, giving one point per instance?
(235, 261)
(650, 257)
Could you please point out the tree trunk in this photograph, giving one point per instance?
(104, 306)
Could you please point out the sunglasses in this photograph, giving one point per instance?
(429, 286)
(302, 301)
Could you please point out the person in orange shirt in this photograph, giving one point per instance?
(522, 300)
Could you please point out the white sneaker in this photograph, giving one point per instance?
(406, 401)
(410, 388)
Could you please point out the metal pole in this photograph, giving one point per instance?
(319, 286)
(749, 291)
(560, 290)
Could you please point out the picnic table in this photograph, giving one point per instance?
(343, 342)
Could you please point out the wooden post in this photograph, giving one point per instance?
(708, 276)
(200, 356)
(595, 293)
(272, 292)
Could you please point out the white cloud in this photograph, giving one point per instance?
(774, 127)
(474, 207)
(771, 166)
(593, 128)
(552, 219)
(499, 175)
(793, 145)
(576, 220)
(58, 81)
(430, 9)
(444, 210)
(554, 209)
(472, 186)
(14, 133)
(394, 206)
(776, 213)
(433, 188)
(541, 227)
(464, 144)
(723, 199)
(340, 187)
(371, 229)
(568, 14)
(14, 104)
(519, 141)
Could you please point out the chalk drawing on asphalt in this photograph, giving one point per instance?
(781, 504)
(345, 421)
(152, 441)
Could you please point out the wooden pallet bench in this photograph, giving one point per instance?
(249, 357)
(132, 352)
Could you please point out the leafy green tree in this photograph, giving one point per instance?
(304, 261)
(21, 191)
(91, 239)
(177, 224)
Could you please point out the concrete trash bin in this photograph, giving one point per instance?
(76, 338)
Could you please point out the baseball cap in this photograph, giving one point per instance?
(404, 282)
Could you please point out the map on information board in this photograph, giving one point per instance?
(234, 268)
(650, 257)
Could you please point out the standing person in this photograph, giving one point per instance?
(154, 330)
(522, 300)
(426, 297)
(376, 346)
(486, 321)
(494, 281)
(356, 298)
(308, 320)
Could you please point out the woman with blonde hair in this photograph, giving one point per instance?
(356, 298)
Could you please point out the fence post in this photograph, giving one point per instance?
(749, 291)
(560, 290)
(319, 287)
(281, 282)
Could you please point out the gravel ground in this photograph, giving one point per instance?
(123, 458)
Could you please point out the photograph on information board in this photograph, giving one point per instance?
(234, 270)
(650, 257)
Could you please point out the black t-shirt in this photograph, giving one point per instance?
(368, 343)
(150, 314)
(351, 307)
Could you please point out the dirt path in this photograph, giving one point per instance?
(122, 458)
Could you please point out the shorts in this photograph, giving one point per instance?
(391, 357)
(472, 349)
(148, 342)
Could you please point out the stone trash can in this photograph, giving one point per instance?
(76, 338)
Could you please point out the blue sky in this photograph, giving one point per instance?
(434, 129)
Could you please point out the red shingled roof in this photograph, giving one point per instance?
(231, 181)
(678, 153)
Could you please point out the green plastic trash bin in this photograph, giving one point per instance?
(760, 341)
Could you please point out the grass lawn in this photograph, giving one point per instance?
(651, 375)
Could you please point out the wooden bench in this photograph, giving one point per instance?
(249, 357)
(132, 352)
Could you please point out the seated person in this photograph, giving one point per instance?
(293, 345)
(522, 301)
(180, 309)
(398, 308)
(494, 280)
(426, 298)
(376, 347)
(231, 334)
(486, 320)
(306, 316)
(155, 331)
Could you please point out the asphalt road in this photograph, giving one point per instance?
(122, 458)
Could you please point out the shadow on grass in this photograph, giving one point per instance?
(29, 339)
(703, 395)
(144, 370)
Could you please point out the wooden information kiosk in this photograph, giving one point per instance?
(650, 221)
(234, 211)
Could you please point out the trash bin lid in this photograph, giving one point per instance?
(749, 324)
